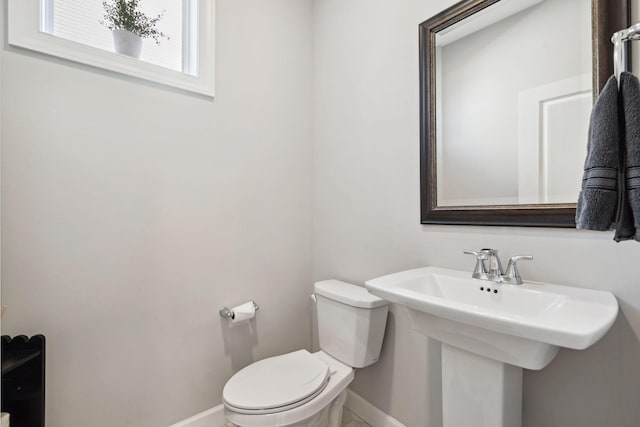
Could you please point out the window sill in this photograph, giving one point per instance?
(23, 31)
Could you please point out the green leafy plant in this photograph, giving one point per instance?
(126, 15)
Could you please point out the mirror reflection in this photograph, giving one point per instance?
(513, 95)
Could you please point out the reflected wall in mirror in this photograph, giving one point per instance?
(506, 95)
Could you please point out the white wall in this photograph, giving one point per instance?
(367, 223)
(132, 213)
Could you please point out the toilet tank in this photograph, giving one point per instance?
(351, 322)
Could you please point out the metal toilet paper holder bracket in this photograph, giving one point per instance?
(228, 313)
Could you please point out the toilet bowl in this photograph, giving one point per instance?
(305, 402)
(302, 389)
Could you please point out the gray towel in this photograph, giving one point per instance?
(598, 199)
(628, 222)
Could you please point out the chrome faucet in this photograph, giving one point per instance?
(494, 272)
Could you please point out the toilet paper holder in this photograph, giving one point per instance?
(227, 313)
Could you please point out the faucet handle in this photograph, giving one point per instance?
(480, 255)
(470, 252)
(512, 275)
(480, 270)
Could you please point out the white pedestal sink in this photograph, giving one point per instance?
(490, 331)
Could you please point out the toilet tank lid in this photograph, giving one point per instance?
(347, 293)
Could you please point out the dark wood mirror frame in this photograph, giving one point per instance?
(608, 16)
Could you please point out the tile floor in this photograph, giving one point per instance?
(349, 419)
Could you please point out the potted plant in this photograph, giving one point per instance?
(129, 26)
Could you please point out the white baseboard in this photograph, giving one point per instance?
(213, 417)
(369, 413)
(373, 416)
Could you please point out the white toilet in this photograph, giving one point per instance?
(305, 389)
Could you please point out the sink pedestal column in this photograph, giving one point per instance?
(479, 392)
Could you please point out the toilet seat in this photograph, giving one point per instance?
(276, 384)
(341, 376)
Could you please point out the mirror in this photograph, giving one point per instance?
(506, 92)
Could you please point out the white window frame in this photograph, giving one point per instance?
(24, 26)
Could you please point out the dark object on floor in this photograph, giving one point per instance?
(23, 367)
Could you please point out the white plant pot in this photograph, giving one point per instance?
(127, 43)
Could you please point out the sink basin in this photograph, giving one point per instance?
(522, 325)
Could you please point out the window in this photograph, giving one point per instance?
(74, 30)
